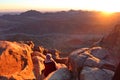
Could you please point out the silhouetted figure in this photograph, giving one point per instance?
(117, 73)
(50, 65)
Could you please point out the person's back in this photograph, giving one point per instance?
(49, 64)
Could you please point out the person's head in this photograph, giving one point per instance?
(48, 56)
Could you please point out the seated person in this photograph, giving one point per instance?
(50, 65)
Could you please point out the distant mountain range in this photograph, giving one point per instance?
(50, 27)
(74, 22)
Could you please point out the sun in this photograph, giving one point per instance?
(108, 11)
(107, 6)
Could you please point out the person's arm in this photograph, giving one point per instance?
(56, 64)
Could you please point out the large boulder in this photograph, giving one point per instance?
(60, 74)
(89, 73)
(15, 61)
(86, 57)
(38, 64)
(100, 53)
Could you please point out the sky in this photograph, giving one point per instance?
(58, 5)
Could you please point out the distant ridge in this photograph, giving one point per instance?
(31, 13)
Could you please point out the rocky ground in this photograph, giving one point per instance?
(96, 62)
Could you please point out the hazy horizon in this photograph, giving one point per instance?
(45, 11)
(58, 5)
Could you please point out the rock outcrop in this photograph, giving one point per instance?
(21, 61)
(15, 61)
(106, 56)
(89, 73)
(38, 64)
(117, 73)
(60, 74)
(91, 57)
(112, 43)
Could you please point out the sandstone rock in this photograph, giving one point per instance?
(103, 54)
(100, 53)
(112, 43)
(117, 73)
(89, 73)
(83, 57)
(62, 60)
(38, 66)
(60, 74)
(39, 49)
(15, 60)
(76, 61)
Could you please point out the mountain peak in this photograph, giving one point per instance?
(31, 13)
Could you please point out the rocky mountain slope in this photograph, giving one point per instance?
(104, 54)
(17, 60)
(62, 30)
(66, 31)
(112, 42)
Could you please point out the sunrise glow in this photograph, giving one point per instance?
(108, 6)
